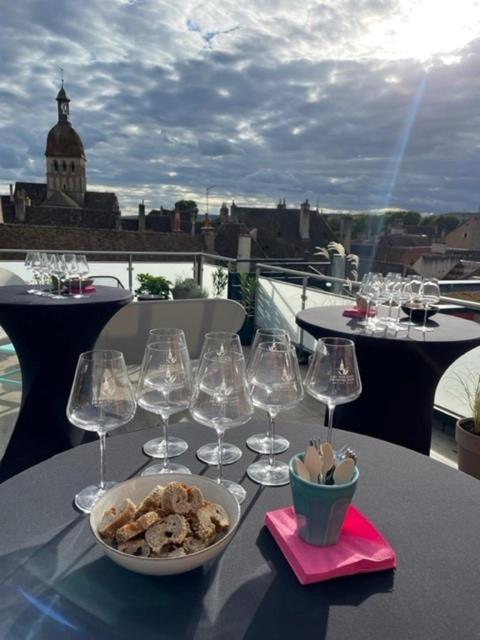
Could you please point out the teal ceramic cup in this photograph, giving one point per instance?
(320, 509)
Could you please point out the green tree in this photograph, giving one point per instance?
(187, 206)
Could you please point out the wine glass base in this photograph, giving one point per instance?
(235, 489)
(171, 467)
(424, 329)
(86, 498)
(209, 453)
(156, 448)
(262, 443)
(262, 472)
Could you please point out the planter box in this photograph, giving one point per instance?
(247, 331)
(468, 448)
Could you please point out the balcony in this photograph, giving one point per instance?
(283, 289)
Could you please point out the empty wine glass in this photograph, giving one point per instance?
(71, 271)
(173, 338)
(429, 295)
(164, 388)
(221, 401)
(220, 342)
(32, 263)
(101, 400)
(275, 386)
(263, 442)
(58, 269)
(333, 376)
(83, 269)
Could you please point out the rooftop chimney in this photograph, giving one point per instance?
(304, 220)
(141, 216)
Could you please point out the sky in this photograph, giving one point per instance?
(357, 105)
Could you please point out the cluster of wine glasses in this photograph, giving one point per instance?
(45, 266)
(390, 293)
(221, 395)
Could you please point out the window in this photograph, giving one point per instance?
(64, 165)
(72, 166)
(55, 165)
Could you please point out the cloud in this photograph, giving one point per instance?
(293, 98)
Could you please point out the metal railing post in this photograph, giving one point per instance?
(200, 259)
(303, 298)
(130, 272)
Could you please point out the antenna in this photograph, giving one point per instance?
(61, 75)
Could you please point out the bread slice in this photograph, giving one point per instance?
(173, 529)
(151, 502)
(114, 521)
(137, 547)
(133, 529)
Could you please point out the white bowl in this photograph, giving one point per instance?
(136, 489)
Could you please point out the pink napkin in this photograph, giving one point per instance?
(355, 312)
(361, 548)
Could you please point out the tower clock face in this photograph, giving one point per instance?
(64, 108)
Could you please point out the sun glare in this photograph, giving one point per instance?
(428, 28)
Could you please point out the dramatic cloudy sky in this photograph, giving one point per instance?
(355, 104)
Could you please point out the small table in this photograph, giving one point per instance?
(48, 336)
(55, 583)
(399, 372)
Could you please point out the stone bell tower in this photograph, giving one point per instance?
(66, 176)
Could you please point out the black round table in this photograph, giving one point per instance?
(48, 336)
(55, 582)
(399, 372)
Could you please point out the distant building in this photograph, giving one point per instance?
(466, 236)
(63, 200)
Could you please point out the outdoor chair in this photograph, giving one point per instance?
(8, 277)
(128, 330)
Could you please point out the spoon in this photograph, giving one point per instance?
(314, 464)
(302, 471)
(344, 471)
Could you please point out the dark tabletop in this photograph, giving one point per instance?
(446, 328)
(16, 296)
(55, 582)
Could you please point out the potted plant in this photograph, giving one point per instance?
(247, 287)
(220, 281)
(152, 287)
(467, 430)
(187, 288)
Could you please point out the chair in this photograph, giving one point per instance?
(128, 330)
(8, 277)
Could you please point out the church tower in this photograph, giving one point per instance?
(66, 177)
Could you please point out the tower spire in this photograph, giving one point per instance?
(63, 103)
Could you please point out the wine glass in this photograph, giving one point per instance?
(333, 376)
(32, 263)
(101, 400)
(263, 442)
(220, 342)
(275, 385)
(58, 269)
(83, 269)
(164, 388)
(71, 270)
(221, 400)
(429, 295)
(160, 447)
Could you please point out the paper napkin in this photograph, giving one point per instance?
(360, 549)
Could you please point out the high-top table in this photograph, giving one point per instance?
(48, 336)
(55, 583)
(399, 372)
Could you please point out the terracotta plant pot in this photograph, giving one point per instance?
(468, 448)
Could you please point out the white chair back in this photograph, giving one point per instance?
(128, 330)
(8, 277)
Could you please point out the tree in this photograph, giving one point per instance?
(447, 223)
(187, 207)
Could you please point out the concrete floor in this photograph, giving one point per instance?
(308, 412)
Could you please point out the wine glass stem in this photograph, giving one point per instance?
(220, 456)
(425, 316)
(102, 437)
(331, 409)
(271, 430)
(165, 438)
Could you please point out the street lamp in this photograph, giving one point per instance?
(208, 189)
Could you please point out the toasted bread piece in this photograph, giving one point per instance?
(133, 529)
(178, 498)
(210, 519)
(151, 502)
(137, 547)
(173, 529)
(171, 551)
(124, 514)
(191, 544)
